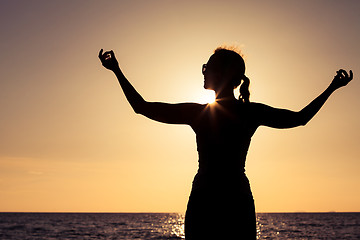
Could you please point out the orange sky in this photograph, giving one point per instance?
(69, 141)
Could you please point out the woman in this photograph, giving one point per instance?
(221, 205)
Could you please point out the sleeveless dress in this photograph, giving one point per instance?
(221, 205)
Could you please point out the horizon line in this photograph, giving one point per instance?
(164, 212)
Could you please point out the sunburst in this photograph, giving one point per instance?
(208, 96)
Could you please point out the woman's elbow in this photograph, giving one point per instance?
(303, 123)
(139, 107)
(302, 120)
(297, 119)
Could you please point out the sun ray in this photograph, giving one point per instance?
(208, 96)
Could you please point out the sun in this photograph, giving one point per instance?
(207, 96)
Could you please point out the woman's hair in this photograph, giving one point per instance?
(232, 59)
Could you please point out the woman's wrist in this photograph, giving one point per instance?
(116, 70)
(332, 87)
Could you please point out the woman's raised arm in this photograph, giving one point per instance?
(281, 118)
(182, 113)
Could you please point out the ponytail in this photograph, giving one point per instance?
(244, 90)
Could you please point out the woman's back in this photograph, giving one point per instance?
(221, 197)
(223, 133)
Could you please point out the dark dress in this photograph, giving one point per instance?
(221, 205)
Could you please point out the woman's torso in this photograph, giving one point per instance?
(223, 133)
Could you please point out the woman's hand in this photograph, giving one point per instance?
(341, 79)
(108, 60)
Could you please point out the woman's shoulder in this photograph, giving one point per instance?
(192, 108)
(257, 106)
(252, 105)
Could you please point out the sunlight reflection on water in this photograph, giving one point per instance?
(169, 226)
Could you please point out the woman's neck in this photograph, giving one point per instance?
(225, 95)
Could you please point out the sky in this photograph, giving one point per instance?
(70, 142)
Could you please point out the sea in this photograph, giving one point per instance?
(169, 226)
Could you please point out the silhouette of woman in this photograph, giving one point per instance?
(221, 205)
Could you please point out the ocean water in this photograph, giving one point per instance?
(169, 226)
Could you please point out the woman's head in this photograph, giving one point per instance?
(226, 69)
